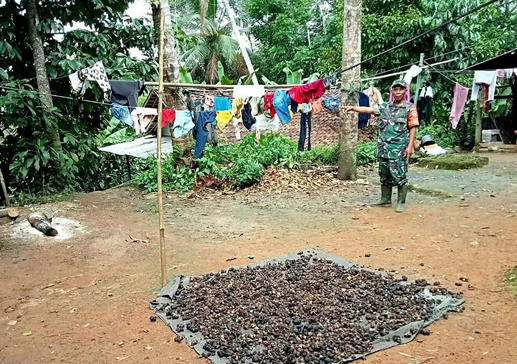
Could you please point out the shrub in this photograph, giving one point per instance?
(242, 165)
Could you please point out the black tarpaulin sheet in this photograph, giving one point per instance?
(197, 340)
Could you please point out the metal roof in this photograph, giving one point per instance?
(503, 61)
(141, 147)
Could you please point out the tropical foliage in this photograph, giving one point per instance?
(28, 159)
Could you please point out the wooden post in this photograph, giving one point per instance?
(4, 189)
(159, 154)
(479, 127)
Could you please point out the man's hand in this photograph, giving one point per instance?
(349, 108)
(409, 151)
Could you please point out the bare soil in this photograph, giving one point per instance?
(84, 298)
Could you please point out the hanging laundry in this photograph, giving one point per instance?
(142, 118)
(168, 116)
(484, 78)
(95, 73)
(222, 104)
(77, 85)
(375, 98)
(305, 131)
(330, 81)
(412, 72)
(306, 108)
(458, 104)
(264, 123)
(121, 113)
(209, 103)
(281, 102)
(198, 106)
(331, 103)
(316, 107)
(307, 92)
(237, 122)
(425, 105)
(222, 119)
(247, 118)
(213, 135)
(363, 118)
(204, 132)
(257, 105)
(245, 91)
(237, 105)
(407, 96)
(268, 104)
(126, 92)
(182, 124)
(294, 108)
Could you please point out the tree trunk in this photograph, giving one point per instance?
(347, 161)
(171, 65)
(41, 70)
(173, 97)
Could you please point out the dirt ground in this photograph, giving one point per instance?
(84, 298)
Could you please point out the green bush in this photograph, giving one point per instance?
(366, 153)
(324, 155)
(243, 164)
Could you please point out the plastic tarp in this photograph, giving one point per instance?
(196, 340)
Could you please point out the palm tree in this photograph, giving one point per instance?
(212, 45)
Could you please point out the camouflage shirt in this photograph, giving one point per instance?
(394, 124)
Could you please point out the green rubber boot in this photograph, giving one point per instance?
(401, 199)
(385, 196)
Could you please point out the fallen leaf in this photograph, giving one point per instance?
(27, 333)
(12, 322)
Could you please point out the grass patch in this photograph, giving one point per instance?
(453, 162)
(511, 280)
(429, 192)
(23, 198)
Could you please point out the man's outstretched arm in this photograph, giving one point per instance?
(360, 109)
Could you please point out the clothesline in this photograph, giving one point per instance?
(410, 64)
(447, 77)
(476, 9)
(54, 95)
(400, 73)
(230, 87)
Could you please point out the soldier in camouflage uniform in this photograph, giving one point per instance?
(397, 130)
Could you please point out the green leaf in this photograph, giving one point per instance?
(226, 81)
(185, 76)
(74, 157)
(3, 74)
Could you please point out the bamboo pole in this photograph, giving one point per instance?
(216, 87)
(159, 155)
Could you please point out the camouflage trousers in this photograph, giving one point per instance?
(393, 172)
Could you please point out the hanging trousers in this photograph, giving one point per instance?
(305, 131)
